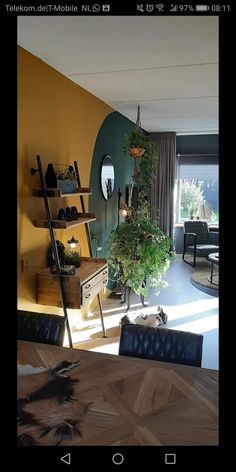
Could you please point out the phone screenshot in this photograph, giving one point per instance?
(118, 237)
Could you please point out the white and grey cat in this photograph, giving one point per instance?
(153, 320)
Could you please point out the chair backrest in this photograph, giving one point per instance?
(40, 327)
(166, 345)
(198, 227)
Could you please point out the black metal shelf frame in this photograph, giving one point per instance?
(54, 245)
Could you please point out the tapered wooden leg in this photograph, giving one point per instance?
(101, 316)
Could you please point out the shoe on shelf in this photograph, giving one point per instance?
(68, 214)
(61, 214)
(74, 213)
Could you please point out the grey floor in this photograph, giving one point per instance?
(188, 308)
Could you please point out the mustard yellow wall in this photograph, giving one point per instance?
(60, 121)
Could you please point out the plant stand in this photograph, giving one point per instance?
(126, 296)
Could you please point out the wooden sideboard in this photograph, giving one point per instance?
(89, 280)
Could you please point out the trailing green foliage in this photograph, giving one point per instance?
(146, 163)
(138, 251)
(141, 250)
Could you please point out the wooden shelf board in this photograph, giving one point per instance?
(90, 266)
(61, 224)
(56, 192)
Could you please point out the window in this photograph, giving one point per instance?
(197, 188)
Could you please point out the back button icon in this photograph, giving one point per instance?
(66, 459)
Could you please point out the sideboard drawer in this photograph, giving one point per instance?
(95, 290)
(88, 286)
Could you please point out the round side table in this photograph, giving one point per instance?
(214, 259)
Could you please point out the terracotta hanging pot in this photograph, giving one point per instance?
(136, 151)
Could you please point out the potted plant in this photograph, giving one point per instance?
(73, 258)
(142, 250)
(65, 179)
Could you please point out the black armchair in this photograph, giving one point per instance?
(166, 345)
(40, 327)
(198, 240)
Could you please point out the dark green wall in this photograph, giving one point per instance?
(199, 143)
(110, 140)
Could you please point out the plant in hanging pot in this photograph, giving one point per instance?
(138, 144)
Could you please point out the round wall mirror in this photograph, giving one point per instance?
(107, 177)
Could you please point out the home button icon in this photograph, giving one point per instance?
(117, 458)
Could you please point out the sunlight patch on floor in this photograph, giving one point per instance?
(87, 334)
(198, 326)
(120, 307)
(191, 308)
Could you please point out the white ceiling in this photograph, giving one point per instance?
(167, 65)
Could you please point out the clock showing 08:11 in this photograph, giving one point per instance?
(219, 8)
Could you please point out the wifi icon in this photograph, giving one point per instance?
(160, 7)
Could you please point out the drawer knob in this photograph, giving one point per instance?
(104, 281)
(87, 296)
(105, 272)
(87, 286)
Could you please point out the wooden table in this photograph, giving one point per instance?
(121, 400)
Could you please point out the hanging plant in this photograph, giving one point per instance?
(141, 147)
(138, 251)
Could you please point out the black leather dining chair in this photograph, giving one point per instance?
(40, 327)
(161, 344)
